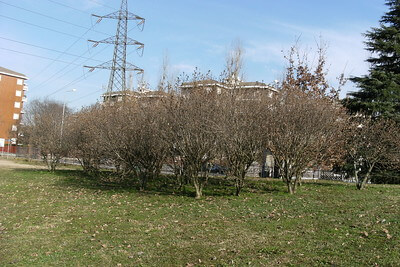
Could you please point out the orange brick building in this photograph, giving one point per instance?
(12, 98)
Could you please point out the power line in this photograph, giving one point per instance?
(71, 63)
(35, 25)
(65, 51)
(78, 38)
(33, 55)
(73, 69)
(91, 93)
(67, 6)
(82, 77)
(50, 17)
(50, 29)
(49, 49)
(104, 5)
(60, 32)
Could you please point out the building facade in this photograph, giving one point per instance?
(248, 90)
(12, 97)
(143, 95)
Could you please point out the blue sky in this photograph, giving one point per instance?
(193, 33)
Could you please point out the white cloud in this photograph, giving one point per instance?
(214, 48)
(89, 4)
(265, 52)
(345, 52)
(182, 67)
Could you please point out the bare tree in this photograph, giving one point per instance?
(191, 136)
(150, 149)
(239, 130)
(304, 123)
(130, 134)
(87, 144)
(301, 75)
(372, 143)
(44, 129)
(234, 63)
(167, 79)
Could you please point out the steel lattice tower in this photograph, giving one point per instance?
(118, 65)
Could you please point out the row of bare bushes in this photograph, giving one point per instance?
(302, 124)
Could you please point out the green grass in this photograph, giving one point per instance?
(66, 219)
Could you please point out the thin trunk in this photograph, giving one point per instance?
(366, 178)
(294, 185)
(199, 189)
(239, 182)
(356, 173)
(291, 184)
(180, 181)
(290, 189)
(237, 190)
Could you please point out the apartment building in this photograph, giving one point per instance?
(248, 90)
(142, 94)
(12, 98)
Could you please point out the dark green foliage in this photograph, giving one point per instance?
(379, 93)
(385, 177)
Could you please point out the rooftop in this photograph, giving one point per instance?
(240, 84)
(12, 73)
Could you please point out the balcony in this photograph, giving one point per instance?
(25, 88)
(22, 111)
(24, 99)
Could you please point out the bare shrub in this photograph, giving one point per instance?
(150, 149)
(239, 132)
(191, 136)
(44, 129)
(304, 124)
(129, 133)
(87, 144)
(372, 143)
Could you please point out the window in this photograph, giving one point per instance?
(18, 93)
(0, 77)
(20, 81)
(17, 105)
(14, 128)
(16, 116)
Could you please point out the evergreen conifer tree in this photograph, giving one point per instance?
(379, 94)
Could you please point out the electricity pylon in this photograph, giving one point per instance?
(118, 65)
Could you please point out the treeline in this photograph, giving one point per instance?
(303, 125)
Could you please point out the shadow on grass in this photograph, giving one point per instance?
(162, 185)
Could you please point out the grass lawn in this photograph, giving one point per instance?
(66, 219)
